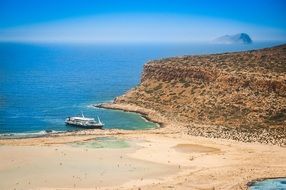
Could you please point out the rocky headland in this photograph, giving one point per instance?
(239, 96)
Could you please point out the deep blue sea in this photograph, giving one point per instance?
(42, 84)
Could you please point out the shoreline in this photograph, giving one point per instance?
(194, 129)
(163, 125)
(110, 105)
(231, 167)
(107, 105)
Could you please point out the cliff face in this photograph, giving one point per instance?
(242, 90)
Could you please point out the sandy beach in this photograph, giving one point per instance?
(162, 158)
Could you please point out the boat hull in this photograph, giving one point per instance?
(85, 126)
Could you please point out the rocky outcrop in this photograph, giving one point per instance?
(239, 91)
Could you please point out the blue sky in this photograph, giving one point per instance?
(140, 21)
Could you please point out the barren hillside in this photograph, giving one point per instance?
(241, 91)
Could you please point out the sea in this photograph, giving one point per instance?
(43, 83)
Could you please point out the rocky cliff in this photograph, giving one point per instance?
(245, 91)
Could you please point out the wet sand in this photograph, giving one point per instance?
(189, 148)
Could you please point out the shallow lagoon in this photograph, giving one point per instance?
(269, 184)
(102, 142)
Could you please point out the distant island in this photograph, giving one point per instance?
(241, 38)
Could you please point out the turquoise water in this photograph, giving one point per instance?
(270, 184)
(102, 142)
(42, 84)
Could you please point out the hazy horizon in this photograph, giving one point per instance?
(139, 22)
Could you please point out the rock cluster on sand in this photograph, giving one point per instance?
(266, 136)
(239, 95)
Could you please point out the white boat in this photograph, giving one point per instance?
(84, 122)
